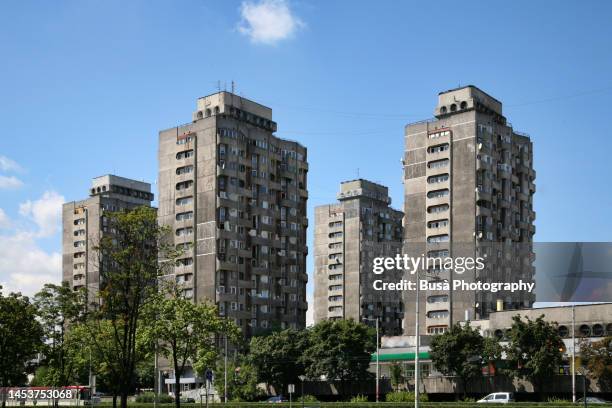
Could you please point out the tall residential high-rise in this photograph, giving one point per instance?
(234, 196)
(84, 224)
(469, 185)
(348, 236)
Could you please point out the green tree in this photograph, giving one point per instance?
(597, 357)
(58, 306)
(277, 357)
(21, 337)
(185, 332)
(534, 350)
(340, 350)
(397, 376)
(242, 381)
(491, 352)
(458, 352)
(129, 268)
(97, 347)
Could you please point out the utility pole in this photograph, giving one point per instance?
(417, 343)
(377, 361)
(225, 355)
(156, 385)
(574, 354)
(377, 358)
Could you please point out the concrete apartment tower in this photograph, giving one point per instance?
(469, 185)
(84, 223)
(348, 236)
(234, 196)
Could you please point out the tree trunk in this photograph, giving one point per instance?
(177, 387)
(124, 399)
(114, 400)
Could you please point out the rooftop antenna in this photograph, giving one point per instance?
(357, 172)
(233, 86)
(218, 85)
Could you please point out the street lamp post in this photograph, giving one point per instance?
(302, 379)
(377, 357)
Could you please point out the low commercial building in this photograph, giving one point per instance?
(592, 322)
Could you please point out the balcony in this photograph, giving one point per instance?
(483, 193)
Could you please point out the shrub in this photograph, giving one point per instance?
(309, 398)
(404, 396)
(148, 397)
(359, 399)
(557, 400)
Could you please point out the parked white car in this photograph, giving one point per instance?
(497, 398)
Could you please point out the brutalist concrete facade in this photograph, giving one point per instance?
(84, 223)
(234, 197)
(469, 185)
(348, 236)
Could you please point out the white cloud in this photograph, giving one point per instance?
(7, 164)
(268, 21)
(46, 212)
(24, 267)
(10, 182)
(310, 311)
(4, 220)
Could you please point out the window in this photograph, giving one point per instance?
(184, 231)
(184, 154)
(437, 224)
(505, 167)
(184, 216)
(438, 148)
(436, 135)
(183, 185)
(438, 314)
(184, 139)
(440, 178)
(438, 193)
(435, 209)
(335, 245)
(335, 287)
(335, 308)
(585, 330)
(79, 244)
(438, 238)
(436, 164)
(335, 277)
(80, 221)
(184, 170)
(184, 262)
(336, 298)
(437, 299)
(335, 235)
(183, 246)
(436, 329)
(184, 201)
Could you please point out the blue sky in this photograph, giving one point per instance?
(86, 86)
